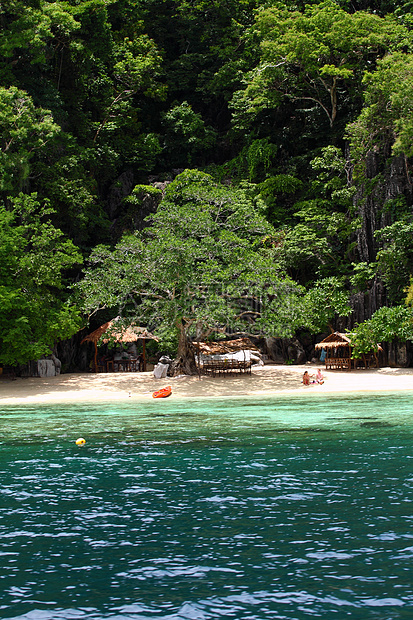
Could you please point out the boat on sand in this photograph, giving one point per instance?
(163, 392)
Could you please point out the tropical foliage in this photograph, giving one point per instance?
(34, 265)
(206, 264)
(270, 145)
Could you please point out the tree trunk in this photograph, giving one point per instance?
(184, 363)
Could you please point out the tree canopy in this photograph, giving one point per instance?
(35, 261)
(269, 144)
(205, 264)
(316, 56)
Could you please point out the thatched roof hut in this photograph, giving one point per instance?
(128, 334)
(94, 336)
(337, 348)
(227, 346)
(334, 340)
(338, 352)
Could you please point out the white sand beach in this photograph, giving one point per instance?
(264, 380)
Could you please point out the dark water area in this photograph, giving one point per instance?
(244, 509)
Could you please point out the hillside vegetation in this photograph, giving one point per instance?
(205, 167)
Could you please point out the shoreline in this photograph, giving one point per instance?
(269, 380)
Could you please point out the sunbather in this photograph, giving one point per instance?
(319, 377)
(306, 378)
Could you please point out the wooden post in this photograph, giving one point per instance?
(96, 357)
(199, 362)
(143, 355)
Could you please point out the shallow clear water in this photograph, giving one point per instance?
(242, 509)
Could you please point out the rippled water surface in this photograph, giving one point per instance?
(244, 509)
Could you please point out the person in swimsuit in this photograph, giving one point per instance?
(319, 377)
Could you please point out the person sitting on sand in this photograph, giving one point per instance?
(319, 377)
(306, 378)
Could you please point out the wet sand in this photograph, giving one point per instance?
(269, 380)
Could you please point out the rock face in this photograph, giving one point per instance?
(48, 367)
(118, 191)
(135, 207)
(399, 354)
(73, 355)
(364, 305)
(282, 350)
(385, 181)
(387, 178)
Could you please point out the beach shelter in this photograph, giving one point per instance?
(129, 334)
(337, 347)
(226, 346)
(225, 355)
(241, 349)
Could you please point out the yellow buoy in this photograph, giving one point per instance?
(80, 441)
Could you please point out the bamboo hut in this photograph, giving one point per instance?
(124, 335)
(227, 356)
(337, 347)
(338, 351)
(228, 346)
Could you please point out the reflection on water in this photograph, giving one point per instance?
(239, 509)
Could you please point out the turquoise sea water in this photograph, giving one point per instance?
(244, 509)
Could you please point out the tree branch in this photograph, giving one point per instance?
(331, 120)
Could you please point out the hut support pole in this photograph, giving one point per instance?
(143, 355)
(96, 357)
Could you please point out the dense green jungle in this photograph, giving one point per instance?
(206, 168)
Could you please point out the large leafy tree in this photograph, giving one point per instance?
(205, 264)
(386, 325)
(24, 132)
(35, 260)
(314, 57)
(385, 122)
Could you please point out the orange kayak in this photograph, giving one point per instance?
(163, 393)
